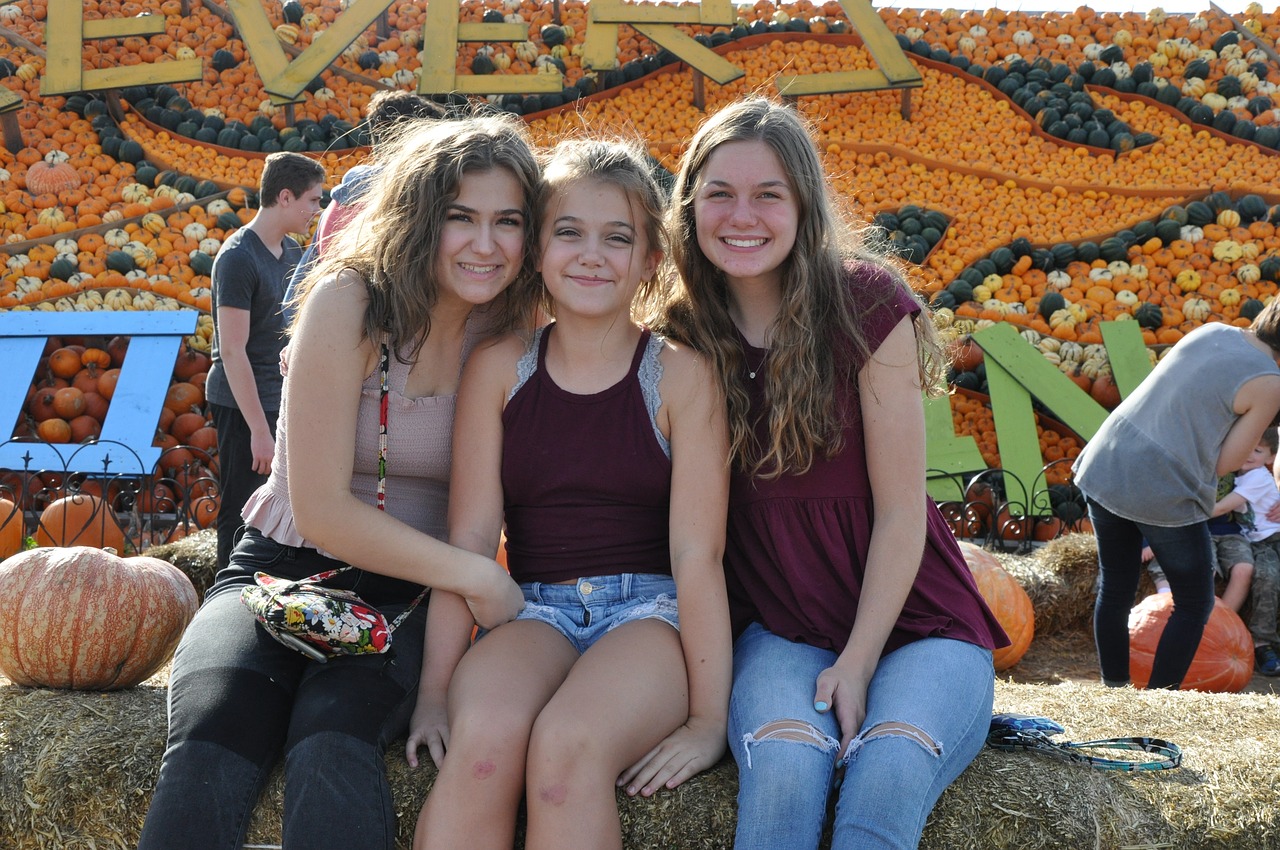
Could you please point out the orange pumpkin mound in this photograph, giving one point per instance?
(1006, 599)
(80, 519)
(82, 618)
(1222, 664)
(12, 529)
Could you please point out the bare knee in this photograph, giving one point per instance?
(895, 730)
(789, 731)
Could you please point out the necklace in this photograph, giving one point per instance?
(752, 371)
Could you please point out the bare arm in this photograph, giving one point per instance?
(328, 362)
(1256, 403)
(233, 336)
(1228, 503)
(893, 425)
(699, 505)
(475, 523)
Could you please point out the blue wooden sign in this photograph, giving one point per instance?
(124, 447)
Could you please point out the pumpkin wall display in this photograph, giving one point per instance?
(1224, 661)
(85, 619)
(1056, 170)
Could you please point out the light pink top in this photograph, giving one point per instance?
(419, 456)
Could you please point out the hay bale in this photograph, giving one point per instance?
(1059, 577)
(77, 770)
(1223, 796)
(196, 555)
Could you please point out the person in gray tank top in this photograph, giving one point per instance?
(1152, 469)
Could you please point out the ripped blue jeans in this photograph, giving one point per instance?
(928, 711)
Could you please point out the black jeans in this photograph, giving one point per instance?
(236, 478)
(238, 700)
(1185, 553)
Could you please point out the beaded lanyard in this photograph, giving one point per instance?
(384, 380)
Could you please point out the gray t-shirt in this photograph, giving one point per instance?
(1155, 458)
(247, 276)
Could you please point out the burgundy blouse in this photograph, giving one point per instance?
(797, 545)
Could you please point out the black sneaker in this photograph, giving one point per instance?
(1265, 661)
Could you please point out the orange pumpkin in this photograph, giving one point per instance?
(1006, 599)
(79, 519)
(85, 619)
(12, 529)
(52, 178)
(1222, 664)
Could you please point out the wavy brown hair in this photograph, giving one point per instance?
(393, 242)
(820, 316)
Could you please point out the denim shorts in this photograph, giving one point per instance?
(586, 611)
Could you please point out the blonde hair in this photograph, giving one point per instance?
(420, 169)
(622, 165)
(817, 339)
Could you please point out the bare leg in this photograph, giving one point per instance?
(626, 693)
(500, 686)
(1239, 580)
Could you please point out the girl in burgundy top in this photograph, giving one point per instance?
(863, 648)
(603, 447)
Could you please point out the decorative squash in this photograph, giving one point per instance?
(53, 178)
(1007, 600)
(79, 519)
(12, 529)
(85, 619)
(1222, 664)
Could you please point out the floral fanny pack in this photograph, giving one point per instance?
(324, 622)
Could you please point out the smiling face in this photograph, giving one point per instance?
(594, 253)
(482, 239)
(1260, 458)
(746, 212)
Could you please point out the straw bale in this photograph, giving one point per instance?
(77, 770)
(196, 555)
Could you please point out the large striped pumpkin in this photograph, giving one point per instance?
(1223, 662)
(1006, 599)
(82, 618)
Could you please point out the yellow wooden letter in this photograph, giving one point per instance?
(441, 33)
(66, 29)
(286, 79)
(895, 70)
(658, 24)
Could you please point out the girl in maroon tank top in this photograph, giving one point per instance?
(862, 665)
(604, 450)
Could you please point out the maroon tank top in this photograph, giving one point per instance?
(586, 483)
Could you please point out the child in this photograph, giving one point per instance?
(603, 448)
(849, 595)
(1232, 554)
(1255, 494)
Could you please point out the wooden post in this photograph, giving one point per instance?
(289, 117)
(699, 90)
(555, 12)
(113, 105)
(384, 28)
(12, 132)
(906, 105)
